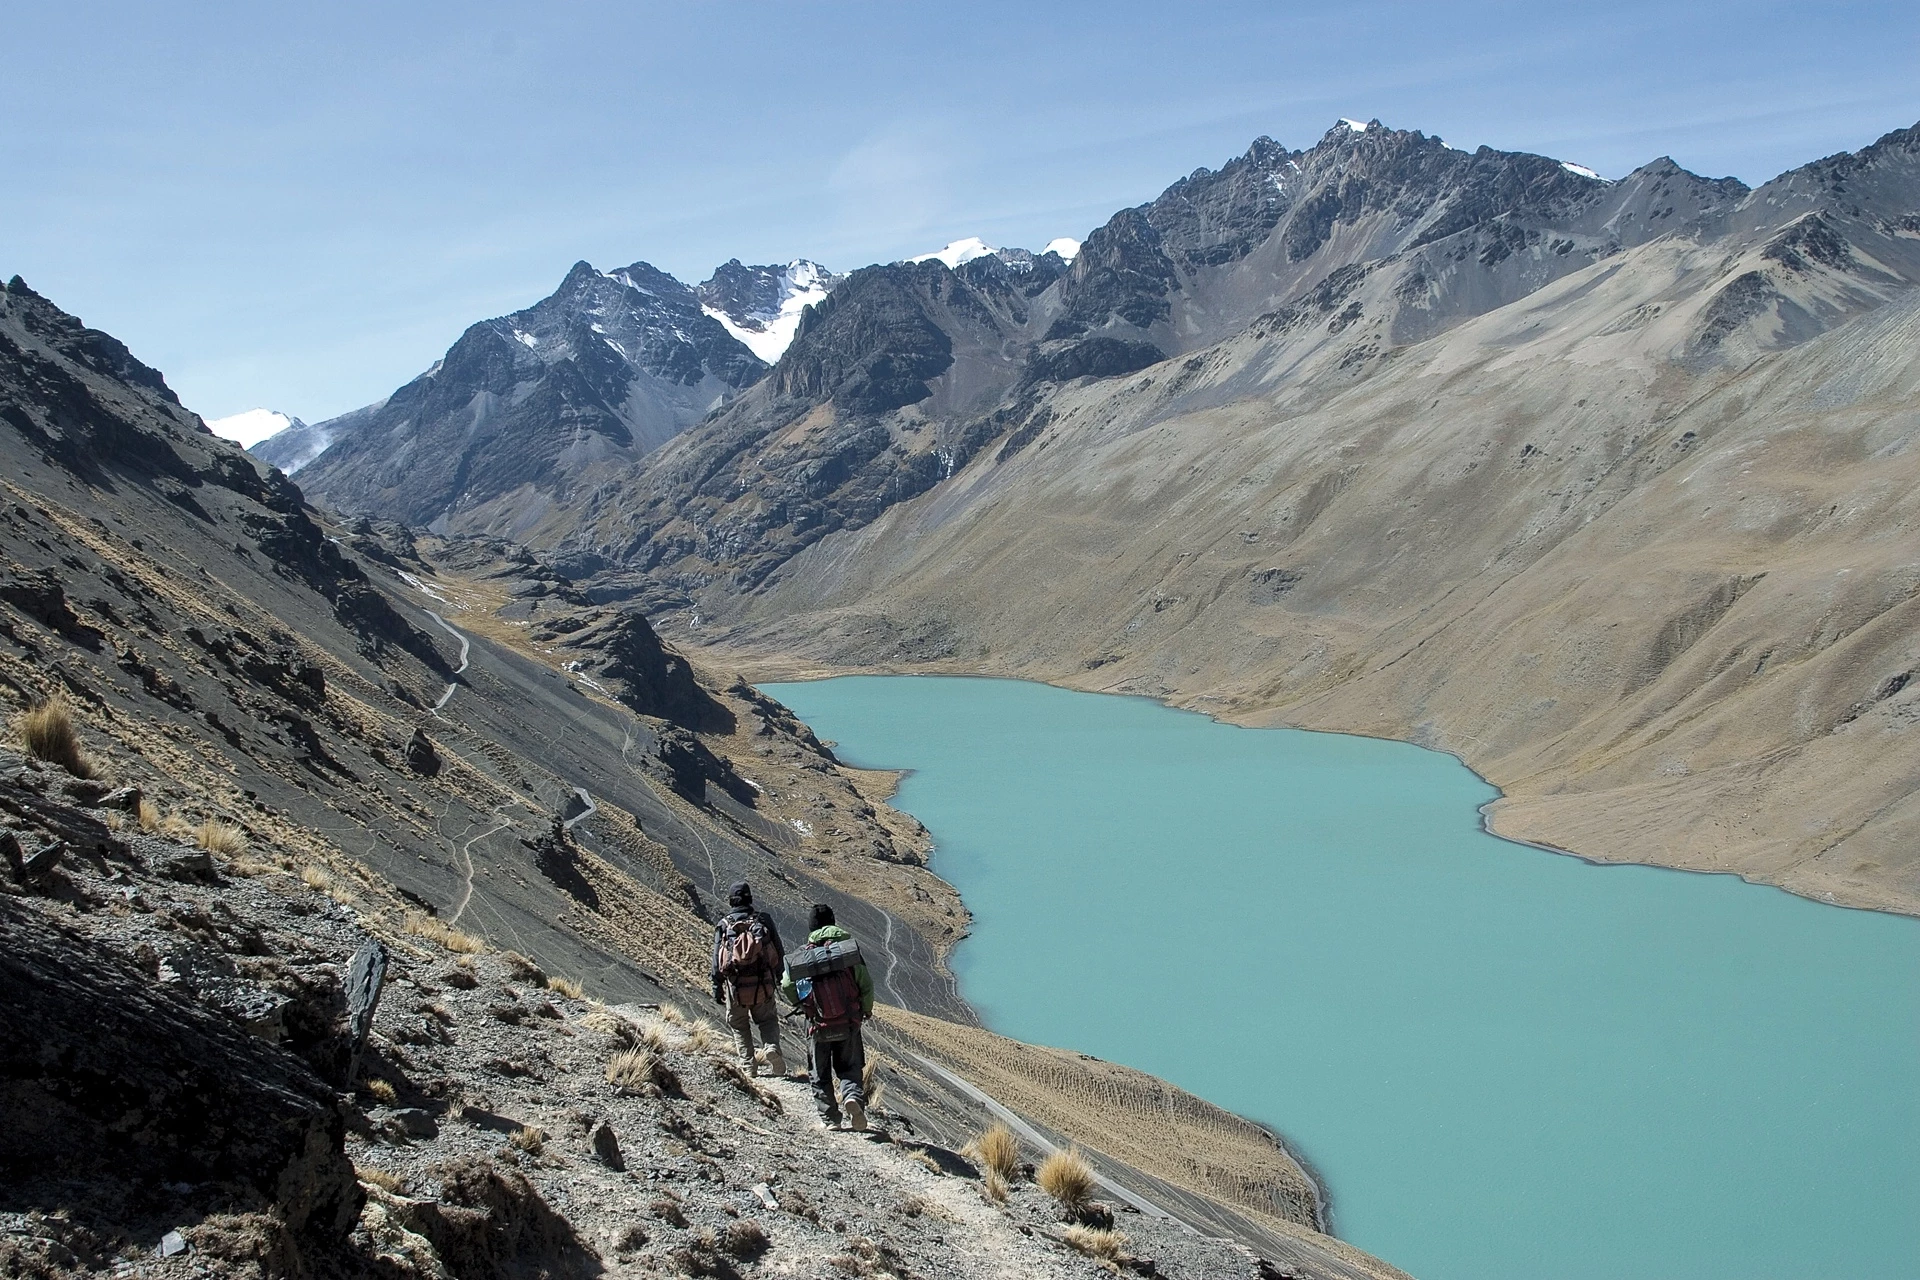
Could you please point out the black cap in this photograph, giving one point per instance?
(821, 918)
(740, 895)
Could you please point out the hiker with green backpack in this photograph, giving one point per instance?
(828, 981)
(747, 963)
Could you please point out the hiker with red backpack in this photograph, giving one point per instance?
(747, 962)
(828, 981)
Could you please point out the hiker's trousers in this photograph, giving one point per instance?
(744, 1017)
(846, 1058)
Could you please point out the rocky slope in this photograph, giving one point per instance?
(291, 741)
(1602, 485)
(611, 365)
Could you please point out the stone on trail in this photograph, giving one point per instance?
(170, 1244)
(416, 1122)
(421, 757)
(127, 798)
(364, 979)
(607, 1147)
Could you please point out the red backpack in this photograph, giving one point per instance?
(833, 1002)
(746, 958)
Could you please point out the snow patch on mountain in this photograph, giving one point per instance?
(764, 319)
(958, 252)
(276, 438)
(1581, 169)
(253, 426)
(1066, 246)
(1357, 126)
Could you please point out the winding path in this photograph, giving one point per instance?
(466, 647)
(578, 818)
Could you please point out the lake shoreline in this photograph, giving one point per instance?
(774, 669)
(999, 741)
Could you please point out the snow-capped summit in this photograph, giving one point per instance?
(253, 426)
(1356, 126)
(958, 252)
(761, 306)
(1066, 246)
(275, 438)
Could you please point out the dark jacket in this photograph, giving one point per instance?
(773, 933)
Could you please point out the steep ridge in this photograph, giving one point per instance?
(611, 365)
(1374, 236)
(361, 745)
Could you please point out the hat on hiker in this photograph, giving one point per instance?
(822, 916)
(740, 895)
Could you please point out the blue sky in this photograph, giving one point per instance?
(303, 209)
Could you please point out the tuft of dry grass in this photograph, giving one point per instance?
(524, 969)
(315, 877)
(672, 1013)
(529, 1139)
(701, 1038)
(47, 733)
(220, 837)
(641, 1071)
(381, 1090)
(1068, 1178)
(736, 1075)
(871, 1085)
(609, 1024)
(147, 814)
(566, 987)
(920, 1157)
(746, 1240)
(998, 1151)
(1108, 1246)
(994, 1187)
(433, 929)
(176, 827)
(377, 1177)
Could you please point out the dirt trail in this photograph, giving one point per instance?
(466, 647)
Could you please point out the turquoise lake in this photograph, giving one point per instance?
(1504, 1063)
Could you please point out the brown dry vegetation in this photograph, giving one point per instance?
(1068, 1178)
(222, 838)
(998, 1150)
(432, 928)
(1126, 1115)
(1096, 1242)
(47, 733)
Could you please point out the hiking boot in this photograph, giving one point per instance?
(856, 1117)
(776, 1064)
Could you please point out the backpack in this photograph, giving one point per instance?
(746, 958)
(832, 1003)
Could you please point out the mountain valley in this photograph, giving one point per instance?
(1346, 438)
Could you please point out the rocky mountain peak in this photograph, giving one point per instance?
(101, 352)
(761, 306)
(610, 365)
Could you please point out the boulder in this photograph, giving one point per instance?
(111, 1084)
